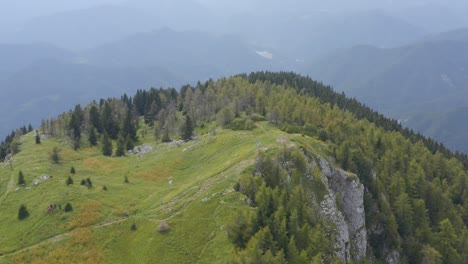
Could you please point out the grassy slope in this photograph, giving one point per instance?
(196, 205)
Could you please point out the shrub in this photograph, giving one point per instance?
(163, 227)
(72, 170)
(133, 227)
(126, 180)
(83, 182)
(104, 188)
(23, 212)
(68, 208)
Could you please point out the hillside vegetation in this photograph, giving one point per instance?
(246, 186)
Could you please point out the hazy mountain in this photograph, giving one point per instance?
(47, 87)
(79, 29)
(15, 57)
(428, 78)
(41, 80)
(193, 55)
(316, 33)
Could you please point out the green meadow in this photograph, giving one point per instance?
(189, 187)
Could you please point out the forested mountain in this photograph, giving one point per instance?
(425, 80)
(259, 168)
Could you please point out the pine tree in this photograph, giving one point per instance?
(55, 155)
(186, 130)
(30, 128)
(23, 212)
(94, 119)
(92, 136)
(128, 126)
(21, 180)
(129, 143)
(69, 180)
(68, 208)
(89, 183)
(38, 138)
(166, 137)
(120, 151)
(106, 145)
(72, 170)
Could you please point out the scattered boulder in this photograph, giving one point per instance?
(36, 182)
(143, 149)
(44, 177)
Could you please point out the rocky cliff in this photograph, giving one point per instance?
(344, 207)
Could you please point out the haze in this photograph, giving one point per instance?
(56, 53)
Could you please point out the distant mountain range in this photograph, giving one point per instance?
(42, 80)
(424, 85)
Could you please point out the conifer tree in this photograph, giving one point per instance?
(38, 137)
(21, 180)
(23, 212)
(129, 143)
(166, 137)
(68, 208)
(106, 145)
(69, 180)
(120, 151)
(186, 129)
(92, 136)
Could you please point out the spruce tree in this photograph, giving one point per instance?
(38, 138)
(106, 145)
(166, 137)
(129, 143)
(23, 212)
(92, 136)
(94, 118)
(186, 130)
(120, 151)
(55, 155)
(21, 180)
(68, 208)
(69, 180)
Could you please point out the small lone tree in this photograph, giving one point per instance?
(104, 188)
(23, 212)
(126, 179)
(55, 155)
(38, 138)
(68, 208)
(21, 180)
(69, 180)
(89, 183)
(72, 170)
(133, 227)
(83, 182)
(106, 145)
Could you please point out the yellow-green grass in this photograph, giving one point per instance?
(196, 205)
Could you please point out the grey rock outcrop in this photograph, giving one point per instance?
(344, 206)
